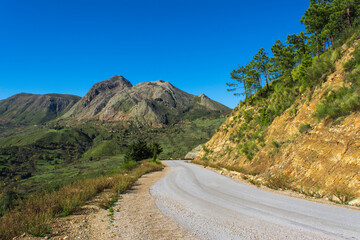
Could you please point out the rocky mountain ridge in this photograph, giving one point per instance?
(155, 103)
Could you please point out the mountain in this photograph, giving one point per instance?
(302, 135)
(155, 103)
(25, 108)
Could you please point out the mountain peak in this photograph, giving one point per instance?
(154, 103)
(117, 80)
(203, 96)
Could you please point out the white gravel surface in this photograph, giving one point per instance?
(213, 206)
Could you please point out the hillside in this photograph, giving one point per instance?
(25, 108)
(156, 103)
(90, 135)
(299, 136)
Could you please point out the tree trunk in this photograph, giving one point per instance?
(348, 15)
(317, 46)
(246, 94)
(266, 79)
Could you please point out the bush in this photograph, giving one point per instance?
(353, 62)
(249, 148)
(275, 144)
(339, 103)
(141, 150)
(129, 165)
(305, 128)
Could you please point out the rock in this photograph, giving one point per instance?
(155, 103)
(193, 153)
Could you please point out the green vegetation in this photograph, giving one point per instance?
(326, 22)
(124, 105)
(304, 128)
(272, 84)
(345, 100)
(141, 150)
(33, 215)
(46, 157)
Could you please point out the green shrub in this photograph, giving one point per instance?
(275, 144)
(336, 55)
(339, 103)
(304, 128)
(129, 165)
(140, 150)
(249, 148)
(349, 65)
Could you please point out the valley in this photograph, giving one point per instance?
(282, 163)
(75, 141)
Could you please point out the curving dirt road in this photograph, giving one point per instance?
(212, 206)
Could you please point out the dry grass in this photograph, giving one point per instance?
(34, 215)
(278, 180)
(342, 192)
(240, 169)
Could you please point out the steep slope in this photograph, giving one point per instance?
(25, 108)
(156, 103)
(312, 146)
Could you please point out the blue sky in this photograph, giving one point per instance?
(65, 46)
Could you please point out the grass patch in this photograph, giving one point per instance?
(339, 103)
(34, 214)
(343, 193)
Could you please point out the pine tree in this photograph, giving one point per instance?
(262, 64)
(253, 76)
(239, 75)
(315, 19)
(283, 60)
(298, 43)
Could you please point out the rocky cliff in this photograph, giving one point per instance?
(312, 147)
(156, 103)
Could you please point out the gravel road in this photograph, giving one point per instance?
(212, 206)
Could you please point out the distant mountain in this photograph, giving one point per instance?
(156, 103)
(25, 108)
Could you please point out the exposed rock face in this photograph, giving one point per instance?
(154, 103)
(98, 97)
(25, 108)
(193, 153)
(324, 157)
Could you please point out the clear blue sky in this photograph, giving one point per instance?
(65, 46)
